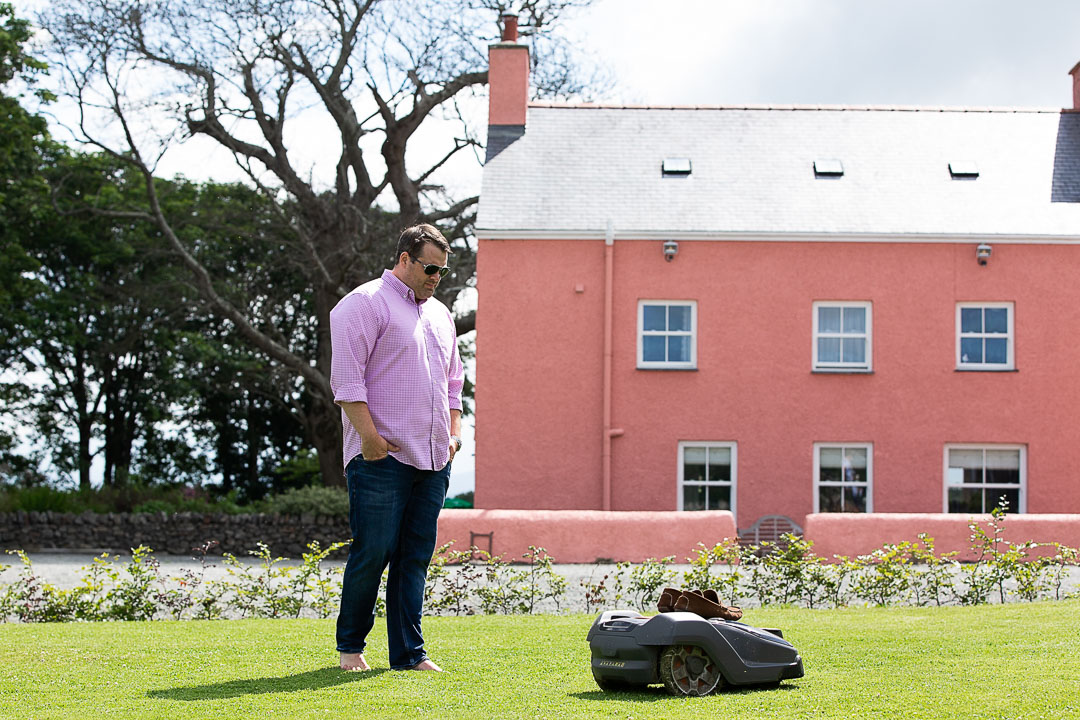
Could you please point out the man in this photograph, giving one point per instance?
(397, 376)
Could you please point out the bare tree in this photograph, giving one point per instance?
(146, 76)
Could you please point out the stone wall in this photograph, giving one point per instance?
(568, 536)
(174, 534)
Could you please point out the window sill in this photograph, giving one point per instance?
(667, 369)
(841, 371)
(985, 370)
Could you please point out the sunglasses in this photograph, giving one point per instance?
(432, 269)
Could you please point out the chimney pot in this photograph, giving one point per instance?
(510, 28)
(1075, 72)
(508, 77)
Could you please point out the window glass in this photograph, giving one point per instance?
(997, 320)
(997, 350)
(855, 499)
(679, 348)
(829, 319)
(693, 497)
(854, 350)
(720, 464)
(719, 498)
(679, 318)
(842, 336)
(829, 350)
(854, 320)
(971, 350)
(971, 320)
(984, 337)
(978, 478)
(652, 348)
(666, 335)
(707, 476)
(843, 480)
(655, 317)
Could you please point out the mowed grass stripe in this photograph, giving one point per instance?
(1011, 661)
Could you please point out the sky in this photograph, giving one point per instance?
(980, 53)
(879, 52)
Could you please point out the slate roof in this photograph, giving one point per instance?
(575, 167)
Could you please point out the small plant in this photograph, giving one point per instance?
(648, 578)
(934, 580)
(700, 574)
(595, 594)
(788, 563)
(886, 575)
(1059, 567)
(262, 592)
(312, 579)
(502, 592)
(451, 580)
(541, 582)
(133, 596)
(833, 578)
(758, 573)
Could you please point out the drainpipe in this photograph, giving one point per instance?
(609, 432)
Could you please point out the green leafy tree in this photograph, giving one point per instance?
(238, 73)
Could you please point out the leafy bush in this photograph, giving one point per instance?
(316, 500)
(132, 498)
(37, 499)
(467, 581)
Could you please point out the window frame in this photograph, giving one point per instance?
(868, 337)
(1022, 487)
(869, 448)
(731, 446)
(643, 364)
(1010, 337)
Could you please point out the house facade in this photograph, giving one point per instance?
(776, 310)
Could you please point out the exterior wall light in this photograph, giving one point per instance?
(982, 253)
(670, 249)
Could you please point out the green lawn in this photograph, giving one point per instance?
(1011, 661)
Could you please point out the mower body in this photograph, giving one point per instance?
(626, 648)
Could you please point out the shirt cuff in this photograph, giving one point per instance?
(350, 393)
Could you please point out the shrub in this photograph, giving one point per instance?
(315, 500)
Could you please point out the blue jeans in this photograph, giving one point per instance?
(393, 515)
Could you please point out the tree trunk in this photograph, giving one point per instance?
(84, 422)
(324, 430)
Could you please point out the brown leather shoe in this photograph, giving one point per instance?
(704, 604)
(667, 600)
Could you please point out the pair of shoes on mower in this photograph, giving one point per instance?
(705, 603)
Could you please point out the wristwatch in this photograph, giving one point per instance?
(460, 444)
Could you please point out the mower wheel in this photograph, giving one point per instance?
(687, 670)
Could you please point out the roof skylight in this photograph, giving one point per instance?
(828, 167)
(676, 166)
(964, 169)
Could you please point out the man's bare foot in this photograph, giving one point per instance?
(354, 661)
(426, 665)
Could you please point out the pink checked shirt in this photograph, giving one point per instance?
(401, 358)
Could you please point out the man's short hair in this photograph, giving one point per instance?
(412, 240)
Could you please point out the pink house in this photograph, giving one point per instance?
(776, 310)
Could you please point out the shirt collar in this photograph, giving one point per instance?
(400, 288)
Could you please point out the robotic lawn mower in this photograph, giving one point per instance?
(689, 654)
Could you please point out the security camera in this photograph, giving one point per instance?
(670, 248)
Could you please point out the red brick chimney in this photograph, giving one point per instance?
(1075, 72)
(508, 77)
